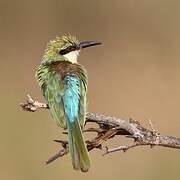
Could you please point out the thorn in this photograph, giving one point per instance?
(30, 100)
(99, 147)
(88, 142)
(129, 136)
(56, 140)
(152, 127)
(106, 151)
(124, 150)
(134, 121)
(60, 141)
(64, 132)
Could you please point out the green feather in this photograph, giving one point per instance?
(53, 91)
(77, 147)
(50, 74)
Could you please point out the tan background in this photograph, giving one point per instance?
(134, 74)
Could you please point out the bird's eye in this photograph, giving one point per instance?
(67, 50)
(62, 52)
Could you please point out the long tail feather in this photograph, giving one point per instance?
(77, 147)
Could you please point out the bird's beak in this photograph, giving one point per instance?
(85, 44)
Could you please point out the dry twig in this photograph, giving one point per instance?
(110, 127)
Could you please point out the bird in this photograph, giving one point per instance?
(64, 82)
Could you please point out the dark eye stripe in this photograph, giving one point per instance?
(67, 50)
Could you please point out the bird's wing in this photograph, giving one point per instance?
(53, 93)
(83, 99)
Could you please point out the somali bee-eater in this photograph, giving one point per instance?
(64, 85)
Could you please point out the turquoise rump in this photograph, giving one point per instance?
(71, 98)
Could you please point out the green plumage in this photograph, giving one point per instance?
(50, 77)
(51, 74)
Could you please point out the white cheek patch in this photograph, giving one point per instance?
(72, 56)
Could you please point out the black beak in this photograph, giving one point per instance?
(86, 44)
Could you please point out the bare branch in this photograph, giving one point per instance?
(61, 153)
(121, 148)
(110, 127)
(32, 105)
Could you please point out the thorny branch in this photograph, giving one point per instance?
(109, 127)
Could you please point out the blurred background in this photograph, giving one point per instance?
(134, 74)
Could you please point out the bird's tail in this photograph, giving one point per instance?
(77, 147)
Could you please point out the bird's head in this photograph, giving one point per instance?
(65, 48)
